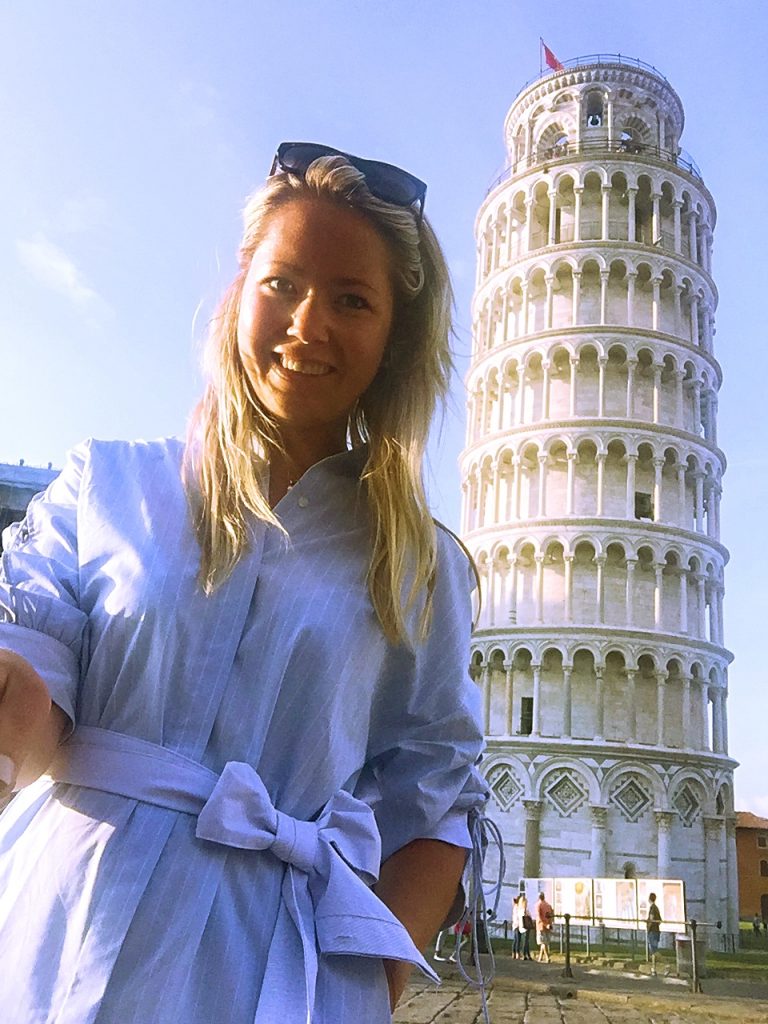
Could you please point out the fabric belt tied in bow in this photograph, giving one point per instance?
(326, 903)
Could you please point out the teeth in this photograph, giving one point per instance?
(307, 366)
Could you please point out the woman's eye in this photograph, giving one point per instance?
(279, 284)
(352, 301)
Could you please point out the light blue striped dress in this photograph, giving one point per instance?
(168, 875)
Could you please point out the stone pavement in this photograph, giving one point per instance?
(594, 997)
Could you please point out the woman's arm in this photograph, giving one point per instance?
(418, 883)
(30, 725)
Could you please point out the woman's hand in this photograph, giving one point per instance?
(30, 725)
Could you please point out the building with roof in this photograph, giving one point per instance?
(592, 478)
(752, 857)
(18, 485)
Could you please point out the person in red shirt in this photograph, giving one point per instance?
(543, 915)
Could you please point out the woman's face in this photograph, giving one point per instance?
(315, 317)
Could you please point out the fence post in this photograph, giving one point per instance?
(695, 983)
(567, 972)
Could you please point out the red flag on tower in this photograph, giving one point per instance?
(549, 58)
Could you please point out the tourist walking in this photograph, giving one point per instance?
(653, 930)
(544, 916)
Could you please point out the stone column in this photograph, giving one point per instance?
(709, 484)
(699, 478)
(694, 252)
(687, 740)
(549, 281)
(631, 279)
(542, 486)
(661, 708)
(655, 305)
(496, 469)
(677, 291)
(696, 389)
(676, 206)
(631, 365)
(500, 416)
(574, 361)
(606, 211)
(539, 587)
(658, 466)
(577, 297)
(578, 192)
(513, 590)
(695, 339)
(546, 387)
(532, 854)
(718, 733)
(528, 224)
(567, 700)
(679, 414)
(657, 594)
(704, 695)
(517, 462)
(552, 217)
(631, 464)
(682, 511)
(599, 827)
(630, 595)
(509, 707)
(568, 562)
(486, 682)
(600, 596)
(536, 730)
(656, 218)
(657, 368)
(663, 853)
(492, 597)
(520, 396)
(600, 458)
(603, 295)
(631, 705)
(599, 704)
(683, 600)
(631, 223)
(602, 362)
(571, 457)
(714, 841)
(713, 418)
(524, 307)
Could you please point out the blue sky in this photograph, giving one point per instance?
(134, 130)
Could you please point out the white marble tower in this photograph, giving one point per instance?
(592, 481)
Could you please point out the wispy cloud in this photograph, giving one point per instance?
(52, 267)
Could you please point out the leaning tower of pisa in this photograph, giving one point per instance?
(592, 481)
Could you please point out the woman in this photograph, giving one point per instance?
(259, 638)
(516, 937)
(525, 926)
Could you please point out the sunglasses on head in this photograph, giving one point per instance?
(385, 181)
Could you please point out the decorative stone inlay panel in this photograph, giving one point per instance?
(566, 792)
(687, 804)
(504, 786)
(630, 794)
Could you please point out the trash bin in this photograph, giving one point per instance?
(683, 954)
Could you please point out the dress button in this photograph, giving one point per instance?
(303, 501)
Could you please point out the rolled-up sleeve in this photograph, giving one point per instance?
(426, 781)
(40, 617)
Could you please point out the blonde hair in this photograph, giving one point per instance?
(231, 433)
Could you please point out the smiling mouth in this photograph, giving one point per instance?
(305, 367)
